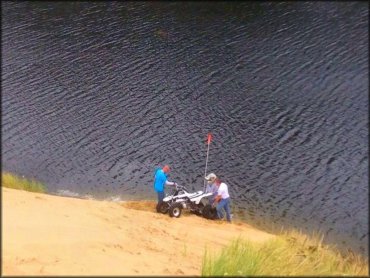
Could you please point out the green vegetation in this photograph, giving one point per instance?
(291, 253)
(13, 181)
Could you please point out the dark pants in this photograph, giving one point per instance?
(160, 196)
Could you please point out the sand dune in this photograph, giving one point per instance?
(51, 235)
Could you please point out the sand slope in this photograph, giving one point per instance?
(50, 235)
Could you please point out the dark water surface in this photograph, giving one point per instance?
(95, 95)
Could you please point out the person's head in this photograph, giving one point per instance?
(210, 178)
(217, 182)
(166, 168)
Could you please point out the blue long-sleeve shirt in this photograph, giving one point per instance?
(212, 188)
(160, 179)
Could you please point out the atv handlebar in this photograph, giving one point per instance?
(178, 187)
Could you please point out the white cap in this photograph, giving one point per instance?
(211, 177)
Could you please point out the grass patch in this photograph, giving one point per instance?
(13, 181)
(290, 253)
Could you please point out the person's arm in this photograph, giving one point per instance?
(217, 199)
(169, 183)
(218, 196)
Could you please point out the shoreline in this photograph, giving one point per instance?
(52, 235)
(48, 235)
(343, 244)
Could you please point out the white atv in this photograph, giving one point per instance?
(180, 198)
(164, 206)
(196, 202)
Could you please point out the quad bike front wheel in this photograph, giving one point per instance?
(163, 207)
(209, 212)
(175, 210)
(199, 209)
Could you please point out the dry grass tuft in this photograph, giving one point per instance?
(13, 181)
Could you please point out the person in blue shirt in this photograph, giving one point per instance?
(160, 180)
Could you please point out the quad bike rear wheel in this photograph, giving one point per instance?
(175, 210)
(209, 212)
(199, 209)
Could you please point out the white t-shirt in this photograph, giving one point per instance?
(223, 191)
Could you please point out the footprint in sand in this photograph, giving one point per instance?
(164, 232)
(40, 198)
(179, 271)
(29, 260)
(119, 246)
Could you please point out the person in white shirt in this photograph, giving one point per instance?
(222, 200)
(211, 186)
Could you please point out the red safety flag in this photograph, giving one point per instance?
(209, 138)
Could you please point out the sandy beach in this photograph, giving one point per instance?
(52, 235)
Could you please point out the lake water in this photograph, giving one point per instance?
(96, 95)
